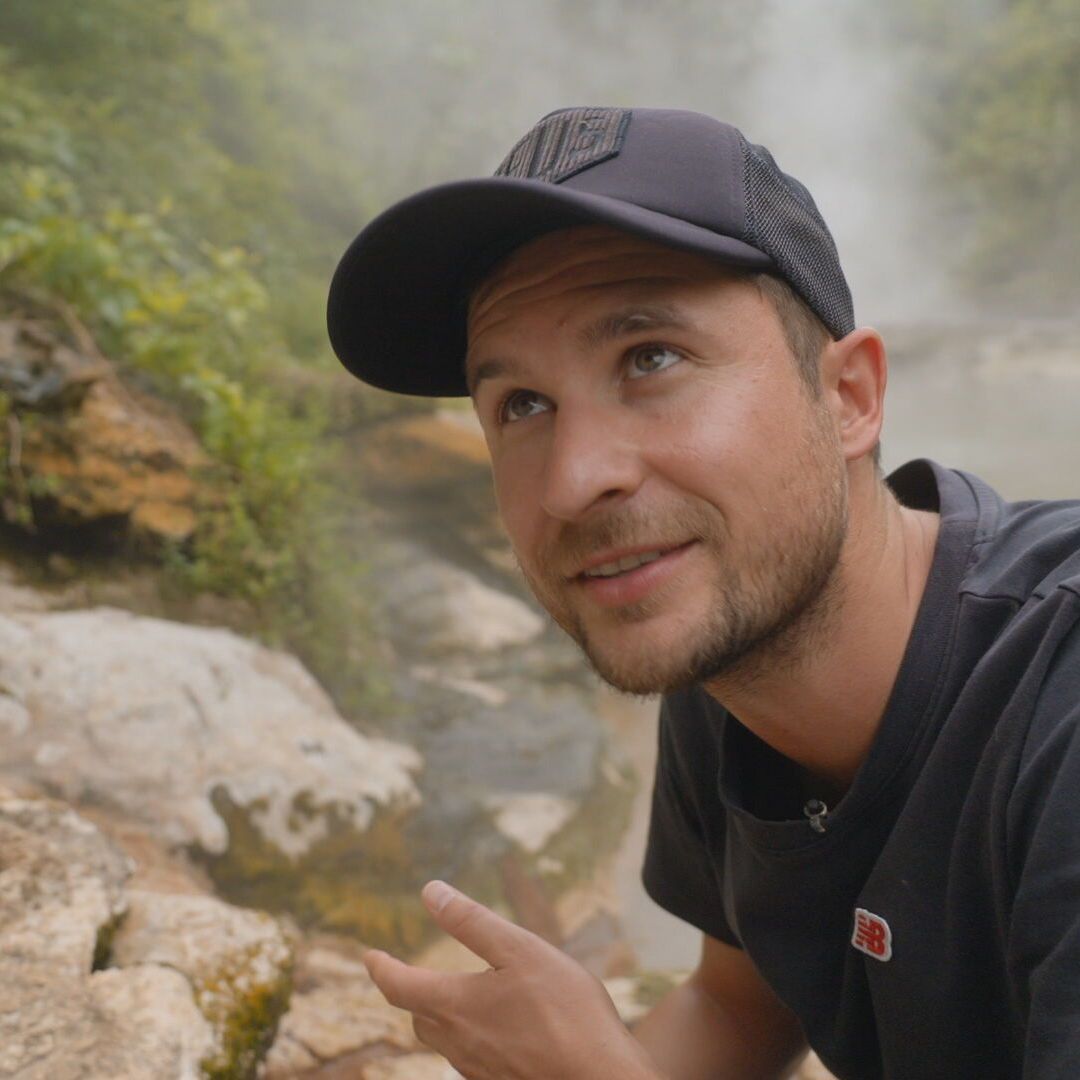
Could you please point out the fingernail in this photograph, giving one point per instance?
(437, 894)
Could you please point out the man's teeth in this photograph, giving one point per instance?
(620, 566)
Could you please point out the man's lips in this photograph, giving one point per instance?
(628, 586)
(613, 562)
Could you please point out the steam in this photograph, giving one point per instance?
(441, 91)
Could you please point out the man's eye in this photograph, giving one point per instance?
(650, 358)
(522, 404)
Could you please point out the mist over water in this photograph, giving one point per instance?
(819, 85)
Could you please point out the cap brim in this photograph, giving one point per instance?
(398, 299)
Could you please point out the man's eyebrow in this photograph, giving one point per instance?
(615, 324)
(488, 369)
(632, 320)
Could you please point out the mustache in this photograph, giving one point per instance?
(626, 527)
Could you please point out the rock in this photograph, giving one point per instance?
(193, 988)
(530, 819)
(83, 448)
(38, 369)
(437, 608)
(335, 1013)
(411, 1067)
(61, 886)
(61, 897)
(162, 722)
(237, 964)
(158, 1025)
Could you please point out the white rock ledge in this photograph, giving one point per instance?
(150, 717)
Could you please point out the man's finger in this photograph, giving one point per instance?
(430, 1033)
(478, 928)
(419, 990)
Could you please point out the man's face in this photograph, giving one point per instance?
(672, 493)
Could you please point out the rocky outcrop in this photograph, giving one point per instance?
(236, 962)
(210, 743)
(169, 723)
(81, 448)
(336, 1016)
(190, 988)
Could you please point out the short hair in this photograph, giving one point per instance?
(804, 332)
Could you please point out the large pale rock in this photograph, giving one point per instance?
(61, 896)
(85, 448)
(162, 721)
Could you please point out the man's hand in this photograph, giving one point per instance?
(535, 1014)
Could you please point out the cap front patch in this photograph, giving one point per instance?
(565, 143)
(872, 935)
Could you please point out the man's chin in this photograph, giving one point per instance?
(641, 667)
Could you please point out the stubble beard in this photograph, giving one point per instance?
(767, 610)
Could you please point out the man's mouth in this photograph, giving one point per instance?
(627, 562)
(614, 565)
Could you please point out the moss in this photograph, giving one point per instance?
(360, 884)
(103, 942)
(364, 884)
(652, 986)
(245, 1015)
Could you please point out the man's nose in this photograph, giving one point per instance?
(593, 458)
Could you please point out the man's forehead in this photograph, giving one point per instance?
(584, 257)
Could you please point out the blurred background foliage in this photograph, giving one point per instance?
(185, 173)
(998, 96)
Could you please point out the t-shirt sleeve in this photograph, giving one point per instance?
(1044, 849)
(683, 853)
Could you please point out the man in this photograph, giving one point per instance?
(865, 795)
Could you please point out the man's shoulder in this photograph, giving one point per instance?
(1033, 550)
(1013, 550)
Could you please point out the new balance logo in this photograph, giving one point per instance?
(872, 935)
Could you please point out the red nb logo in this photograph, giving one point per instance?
(872, 935)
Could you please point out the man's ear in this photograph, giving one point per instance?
(853, 375)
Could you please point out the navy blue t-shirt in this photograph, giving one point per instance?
(933, 928)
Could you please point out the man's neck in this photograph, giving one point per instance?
(818, 697)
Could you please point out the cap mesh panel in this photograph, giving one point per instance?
(783, 222)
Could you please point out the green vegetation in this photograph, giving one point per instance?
(999, 98)
(365, 884)
(244, 1014)
(149, 183)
